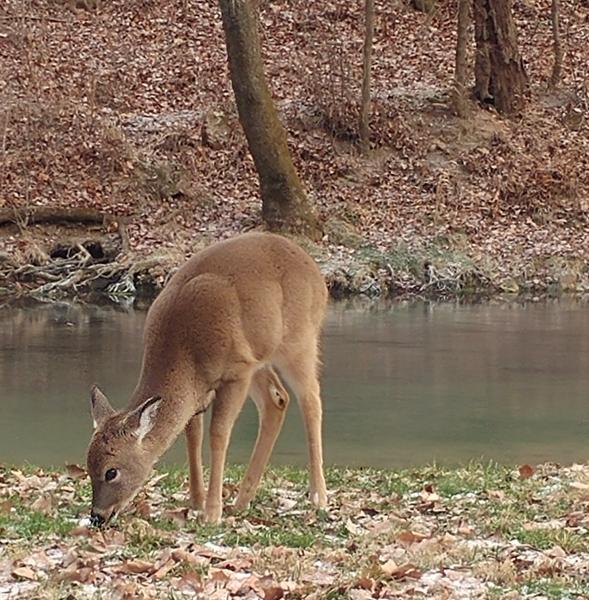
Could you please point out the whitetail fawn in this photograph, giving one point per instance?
(225, 319)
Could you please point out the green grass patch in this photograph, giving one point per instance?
(544, 539)
(25, 523)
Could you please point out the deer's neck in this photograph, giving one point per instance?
(183, 395)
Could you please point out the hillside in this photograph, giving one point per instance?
(127, 109)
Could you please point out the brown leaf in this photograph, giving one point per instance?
(273, 593)
(364, 583)
(134, 566)
(113, 537)
(75, 471)
(465, 530)
(164, 569)
(182, 555)
(81, 530)
(526, 471)
(190, 581)
(5, 506)
(220, 575)
(410, 537)
(556, 552)
(143, 509)
(235, 564)
(391, 569)
(24, 573)
(43, 504)
(179, 516)
(77, 573)
(125, 590)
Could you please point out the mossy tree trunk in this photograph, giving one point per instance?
(499, 71)
(285, 206)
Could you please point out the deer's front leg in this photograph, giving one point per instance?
(194, 435)
(226, 407)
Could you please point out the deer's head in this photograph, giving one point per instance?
(119, 459)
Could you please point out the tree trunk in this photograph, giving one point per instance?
(507, 81)
(482, 64)
(459, 99)
(365, 103)
(284, 203)
(558, 49)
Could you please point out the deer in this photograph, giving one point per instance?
(227, 322)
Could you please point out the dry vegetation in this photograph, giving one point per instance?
(126, 108)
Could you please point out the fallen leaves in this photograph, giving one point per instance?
(273, 593)
(43, 504)
(526, 471)
(134, 566)
(410, 537)
(370, 545)
(24, 573)
(76, 472)
(391, 569)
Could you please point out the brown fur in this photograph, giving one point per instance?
(227, 317)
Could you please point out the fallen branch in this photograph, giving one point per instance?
(36, 215)
(40, 214)
(35, 18)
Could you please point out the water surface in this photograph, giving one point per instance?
(402, 384)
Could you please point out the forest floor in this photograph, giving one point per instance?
(480, 531)
(127, 109)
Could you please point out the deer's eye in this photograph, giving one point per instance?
(110, 475)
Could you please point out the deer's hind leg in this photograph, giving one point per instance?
(194, 436)
(300, 370)
(271, 399)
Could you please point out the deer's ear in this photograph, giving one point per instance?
(99, 407)
(142, 419)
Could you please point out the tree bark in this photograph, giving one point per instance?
(558, 49)
(366, 68)
(495, 31)
(459, 99)
(482, 65)
(285, 206)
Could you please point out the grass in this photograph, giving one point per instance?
(29, 524)
(478, 518)
(560, 588)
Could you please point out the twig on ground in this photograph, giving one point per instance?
(35, 18)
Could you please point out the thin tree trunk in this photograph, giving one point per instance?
(460, 101)
(285, 206)
(558, 49)
(365, 104)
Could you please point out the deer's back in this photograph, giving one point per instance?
(239, 299)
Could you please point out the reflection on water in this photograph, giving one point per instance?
(402, 383)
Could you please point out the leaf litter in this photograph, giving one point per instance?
(480, 531)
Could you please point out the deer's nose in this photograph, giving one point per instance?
(96, 520)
